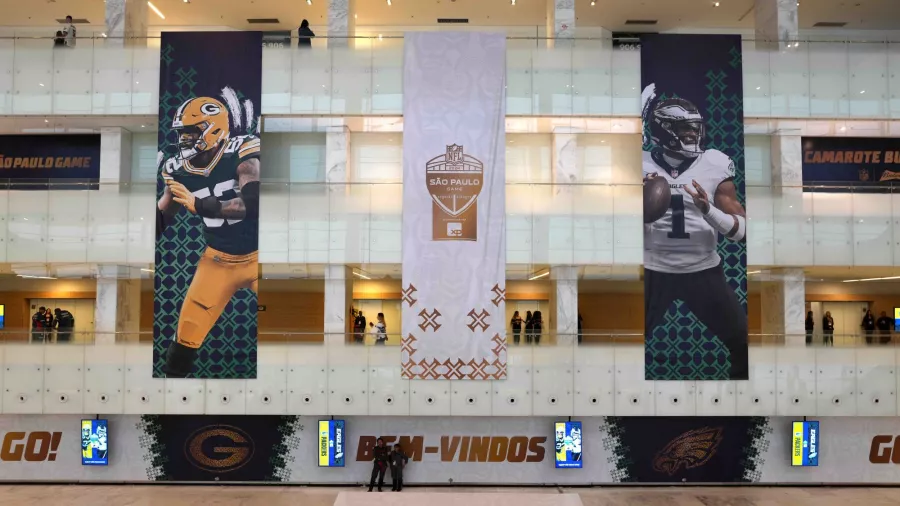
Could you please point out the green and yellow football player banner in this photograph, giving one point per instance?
(695, 253)
(208, 205)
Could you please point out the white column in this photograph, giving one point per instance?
(565, 146)
(783, 308)
(115, 156)
(337, 155)
(787, 160)
(338, 299)
(117, 308)
(126, 22)
(341, 23)
(776, 23)
(560, 21)
(564, 303)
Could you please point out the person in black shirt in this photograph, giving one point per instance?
(516, 323)
(37, 325)
(529, 327)
(828, 328)
(810, 325)
(868, 324)
(359, 328)
(884, 325)
(538, 323)
(65, 323)
(379, 464)
(305, 35)
(580, 328)
(398, 462)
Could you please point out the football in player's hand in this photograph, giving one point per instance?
(657, 197)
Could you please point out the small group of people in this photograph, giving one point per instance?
(43, 322)
(377, 329)
(385, 458)
(66, 36)
(869, 325)
(534, 326)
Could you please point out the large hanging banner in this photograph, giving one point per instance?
(695, 254)
(208, 205)
(454, 231)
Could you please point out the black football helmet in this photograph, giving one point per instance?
(677, 126)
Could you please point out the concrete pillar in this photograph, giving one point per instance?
(338, 299)
(776, 24)
(115, 157)
(565, 159)
(117, 309)
(783, 308)
(337, 155)
(787, 160)
(564, 303)
(560, 22)
(341, 23)
(126, 23)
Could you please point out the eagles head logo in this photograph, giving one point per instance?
(692, 449)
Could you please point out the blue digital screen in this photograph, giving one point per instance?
(805, 444)
(568, 445)
(94, 443)
(331, 443)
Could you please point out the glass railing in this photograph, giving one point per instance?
(587, 77)
(546, 339)
(360, 223)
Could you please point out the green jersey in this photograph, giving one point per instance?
(219, 178)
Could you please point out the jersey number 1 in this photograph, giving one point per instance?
(677, 206)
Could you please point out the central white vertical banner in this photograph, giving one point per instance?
(454, 205)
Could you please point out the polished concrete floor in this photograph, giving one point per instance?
(161, 495)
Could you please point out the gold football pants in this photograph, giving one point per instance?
(218, 276)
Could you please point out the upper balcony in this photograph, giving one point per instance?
(813, 79)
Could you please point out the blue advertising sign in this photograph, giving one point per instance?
(568, 445)
(805, 444)
(94, 443)
(331, 443)
(836, 163)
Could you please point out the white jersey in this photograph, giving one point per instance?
(682, 241)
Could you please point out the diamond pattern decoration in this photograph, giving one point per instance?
(429, 320)
(499, 345)
(500, 295)
(408, 295)
(478, 320)
(683, 348)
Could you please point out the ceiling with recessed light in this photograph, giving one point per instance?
(371, 14)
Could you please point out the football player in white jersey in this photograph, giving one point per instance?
(680, 257)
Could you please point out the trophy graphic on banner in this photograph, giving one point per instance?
(454, 181)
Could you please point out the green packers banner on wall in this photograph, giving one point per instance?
(208, 205)
(695, 261)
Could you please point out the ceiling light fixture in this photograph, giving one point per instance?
(154, 9)
(716, 4)
(361, 275)
(148, 270)
(389, 3)
(28, 276)
(308, 2)
(187, 1)
(753, 272)
(539, 276)
(870, 279)
(593, 3)
(512, 2)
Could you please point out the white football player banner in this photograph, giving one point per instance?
(454, 206)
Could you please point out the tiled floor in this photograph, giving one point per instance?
(162, 495)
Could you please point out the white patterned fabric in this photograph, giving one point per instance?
(454, 232)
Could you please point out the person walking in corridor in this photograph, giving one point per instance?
(868, 325)
(884, 325)
(810, 326)
(828, 328)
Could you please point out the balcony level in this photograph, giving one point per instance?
(816, 79)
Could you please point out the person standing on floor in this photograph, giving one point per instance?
(359, 328)
(69, 32)
(810, 325)
(828, 328)
(37, 325)
(884, 325)
(381, 327)
(65, 323)
(580, 328)
(398, 462)
(516, 324)
(305, 34)
(379, 464)
(868, 325)
(529, 327)
(538, 324)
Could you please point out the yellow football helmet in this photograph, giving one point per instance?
(202, 124)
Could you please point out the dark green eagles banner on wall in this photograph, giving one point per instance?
(695, 253)
(208, 205)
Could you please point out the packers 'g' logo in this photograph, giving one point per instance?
(210, 109)
(692, 449)
(219, 448)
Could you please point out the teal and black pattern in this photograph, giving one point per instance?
(234, 59)
(682, 347)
